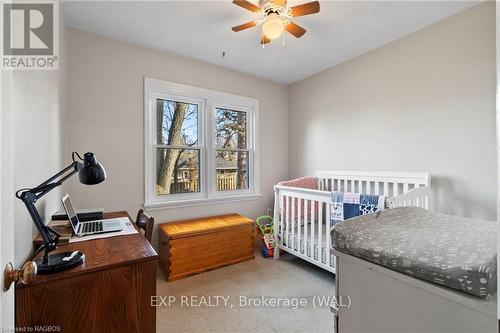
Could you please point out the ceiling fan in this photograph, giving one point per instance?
(275, 17)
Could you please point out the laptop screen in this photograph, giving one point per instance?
(70, 210)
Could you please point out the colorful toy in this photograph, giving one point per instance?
(266, 234)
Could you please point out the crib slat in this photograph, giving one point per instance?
(327, 229)
(313, 208)
(405, 187)
(280, 220)
(368, 187)
(299, 222)
(386, 189)
(360, 186)
(293, 223)
(306, 224)
(320, 230)
(287, 228)
(377, 190)
(395, 189)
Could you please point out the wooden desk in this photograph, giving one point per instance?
(110, 292)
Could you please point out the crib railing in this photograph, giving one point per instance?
(390, 184)
(302, 216)
(417, 197)
(299, 222)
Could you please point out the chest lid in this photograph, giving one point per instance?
(204, 225)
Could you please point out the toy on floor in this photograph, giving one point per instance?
(266, 234)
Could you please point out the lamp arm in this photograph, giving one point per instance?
(30, 196)
(49, 184)
(50, 237)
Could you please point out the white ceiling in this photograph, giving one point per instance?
(202, 29)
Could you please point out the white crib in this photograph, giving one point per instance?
(306, 234)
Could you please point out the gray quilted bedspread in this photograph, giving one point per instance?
(454, 252)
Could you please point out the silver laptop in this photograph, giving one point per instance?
(88, 227)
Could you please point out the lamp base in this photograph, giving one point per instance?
(60, 262)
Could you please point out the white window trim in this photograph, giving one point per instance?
(207, 100)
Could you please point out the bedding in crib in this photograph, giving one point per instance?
(300, 208)
(454, 252)
(346, 205)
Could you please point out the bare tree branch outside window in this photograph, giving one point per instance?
(178, 157)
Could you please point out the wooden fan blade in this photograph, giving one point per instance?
(265, 40)
(295, 29)
(305, 9)
(244, 26)
(247, 5)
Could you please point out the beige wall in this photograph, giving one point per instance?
(425, 102)
(105, 96)
(38, 110)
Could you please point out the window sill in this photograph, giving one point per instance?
(201, 202)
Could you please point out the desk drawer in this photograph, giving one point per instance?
(187, 255)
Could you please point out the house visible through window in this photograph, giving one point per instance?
(200, 145)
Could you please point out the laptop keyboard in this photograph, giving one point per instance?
(89, 227)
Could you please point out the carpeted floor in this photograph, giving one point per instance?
(238, 298)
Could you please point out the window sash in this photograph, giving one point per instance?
(180, 99)
(234, 109)
(248, 173)
(213, 148)
(200, 178)
(183, 100)
(153, 196)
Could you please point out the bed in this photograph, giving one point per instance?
(408, 269)
(303, 207)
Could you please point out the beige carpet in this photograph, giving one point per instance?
(217, 306)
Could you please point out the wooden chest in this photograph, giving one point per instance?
(194, 246)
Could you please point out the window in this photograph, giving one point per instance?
(232, 152)
(200, 145)
(177, 149)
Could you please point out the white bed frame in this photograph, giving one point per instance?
(403, 188)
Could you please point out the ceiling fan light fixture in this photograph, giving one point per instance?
(275, 16)
(273, 27)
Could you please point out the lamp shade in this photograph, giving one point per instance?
(273, 27)
(92, 172)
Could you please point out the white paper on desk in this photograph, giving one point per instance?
(128, 229)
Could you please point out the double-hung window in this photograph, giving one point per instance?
(200, 145)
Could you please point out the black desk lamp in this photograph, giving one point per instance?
(90, 172)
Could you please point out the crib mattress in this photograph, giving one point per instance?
(298, 243)
(451, 251)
